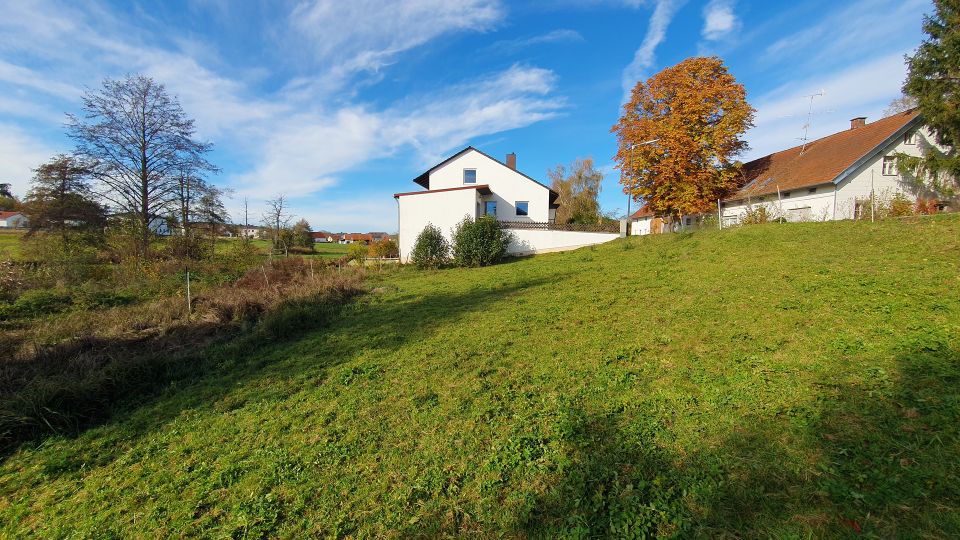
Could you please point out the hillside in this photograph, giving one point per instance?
(777, 380)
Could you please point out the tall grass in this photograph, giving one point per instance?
(61, 374)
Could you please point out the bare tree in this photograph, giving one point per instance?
(579, 192)
(139, 140)
(277, 219)
(899, 105)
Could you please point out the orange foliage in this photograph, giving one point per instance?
(697, 112)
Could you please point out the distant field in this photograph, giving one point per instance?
(773, 381)
(327, 251)
(10, 243)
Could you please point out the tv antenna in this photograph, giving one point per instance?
(806, 126)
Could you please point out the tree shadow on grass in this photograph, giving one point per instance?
(91, 383)
(877, 458)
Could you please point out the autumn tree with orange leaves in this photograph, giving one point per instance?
(695, 113)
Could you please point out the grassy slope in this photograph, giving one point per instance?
(774, 380)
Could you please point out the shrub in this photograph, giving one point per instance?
(479, 243)
(36, 303)
(385, 249)
(761, 214)
(431, 249)
(358, 251)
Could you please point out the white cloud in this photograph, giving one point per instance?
(719, 20)
(20, 153)
(307, 150)
(644, 57)
(368, 34)
(863, 89)
(858, 30)
(510, 46)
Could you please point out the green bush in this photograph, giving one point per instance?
(479, 243)
(358, 251)
(36, 303)
(431, 249)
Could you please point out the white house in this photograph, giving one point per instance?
(472, 183)
(12, 220)
(831, 178)
(834, 177)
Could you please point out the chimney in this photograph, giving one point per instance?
(512, 161)
(857, 122)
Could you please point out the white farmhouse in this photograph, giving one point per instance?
(471, 183)
(834, 177)
(12, 220)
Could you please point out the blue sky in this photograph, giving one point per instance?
(339, 104)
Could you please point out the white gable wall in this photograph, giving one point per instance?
(508, 186)
(443, 209)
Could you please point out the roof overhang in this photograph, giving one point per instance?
(483, 189)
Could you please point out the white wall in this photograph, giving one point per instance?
(820, 205)
(444, 210)
(527, 241)
(640, 226)
(508, 186)
(14, 221)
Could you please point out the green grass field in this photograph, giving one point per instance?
(786, 381)
(324, 251)
(10, 243)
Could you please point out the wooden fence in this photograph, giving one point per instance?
(609, 227)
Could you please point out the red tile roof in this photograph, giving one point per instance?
(644, 211)
(5, 215)
(821, 162)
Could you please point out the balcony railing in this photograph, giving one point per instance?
(608, 227)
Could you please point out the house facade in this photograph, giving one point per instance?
(839, 176)
(472, 184)
(836, 177)
(12, 220)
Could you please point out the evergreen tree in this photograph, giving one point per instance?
(60, 201)
(934, 80)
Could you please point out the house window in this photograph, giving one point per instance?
(469, 176)
(786, 193)
(910, 138)
(522, 208)
(812, 190)
(889, 166)
(490, 208)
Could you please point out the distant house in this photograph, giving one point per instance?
(831, 178)
(378, 236)
(352, 238)
(473, 184)
(324, 237)
(12, 220)
(249, 231)
(644, 221)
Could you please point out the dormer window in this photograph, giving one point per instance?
(469, 176)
